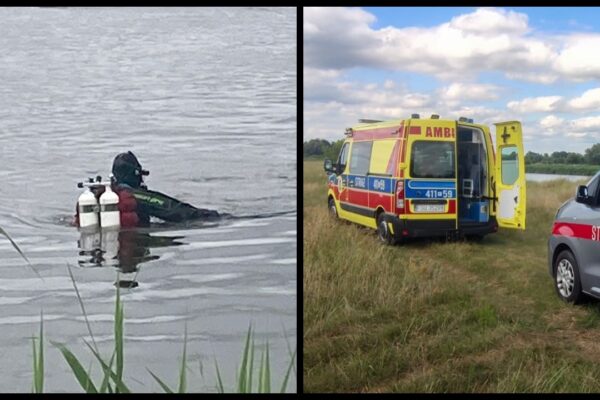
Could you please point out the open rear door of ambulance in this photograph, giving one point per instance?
(510, 175)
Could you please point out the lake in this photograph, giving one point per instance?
(206, 99)
(550, 177)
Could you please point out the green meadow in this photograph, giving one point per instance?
(437, 316)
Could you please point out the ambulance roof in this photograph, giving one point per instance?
(397, 122)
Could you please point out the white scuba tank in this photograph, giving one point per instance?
(88, 209)
(109, 209)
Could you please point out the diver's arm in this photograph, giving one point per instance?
(167, 208)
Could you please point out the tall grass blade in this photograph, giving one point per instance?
(5, 234)
(39, 381)
(87, 322)
(250, 370)
(267, 372)
(118, 382)
(243, 373)
(38, 359)
(89, 373)
(261, 384)
(287, 342)
(166, 388)
(219, 381)
(119, 334)
(82, 377)
(287, 374)
(182, 376)
(35, 370)
(106, 380)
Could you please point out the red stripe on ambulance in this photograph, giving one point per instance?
(358, 197)
(379, 133)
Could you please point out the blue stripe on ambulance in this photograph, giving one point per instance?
(373, 183)
(428, 189)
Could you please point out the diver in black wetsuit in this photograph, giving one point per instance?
(137, 203)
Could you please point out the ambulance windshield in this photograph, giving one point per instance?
(432, 160)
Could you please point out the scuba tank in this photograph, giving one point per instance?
(88, 209)
(109, 209)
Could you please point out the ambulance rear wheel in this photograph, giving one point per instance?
(383, 231)
(475, 238)
(566, 278)
(332, 209)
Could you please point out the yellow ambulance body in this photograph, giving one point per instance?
(429, 177)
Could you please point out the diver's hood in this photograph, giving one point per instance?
(127, 169)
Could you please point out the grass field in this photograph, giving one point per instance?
(431, 316)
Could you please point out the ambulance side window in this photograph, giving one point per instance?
(360, 158)
(343, 158)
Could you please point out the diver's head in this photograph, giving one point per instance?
(127, 169)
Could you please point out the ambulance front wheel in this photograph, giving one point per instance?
(332, 209)
(383, 231)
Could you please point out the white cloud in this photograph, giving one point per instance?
(551, 125)
(580, 57)
(587, 101)
(536, 77)
(338, 38)
(577, 135)
(551, 121)
(584, 124)
(483, 40)
(491, 21)
(327, 117)
(535, 104)
(488, 38)
(470, 91)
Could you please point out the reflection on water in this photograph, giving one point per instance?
(124, 250)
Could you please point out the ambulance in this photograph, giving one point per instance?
(429, 177)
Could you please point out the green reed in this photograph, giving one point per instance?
(112, 380)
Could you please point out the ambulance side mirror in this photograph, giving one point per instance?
(582, 195)
(328, 166)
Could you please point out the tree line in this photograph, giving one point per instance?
(590, 156)
(321, 148)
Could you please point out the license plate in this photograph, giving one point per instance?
(430, 208)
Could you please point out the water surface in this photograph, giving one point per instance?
(206, 98)
(550, 177)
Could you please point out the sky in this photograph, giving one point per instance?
(538, 65)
